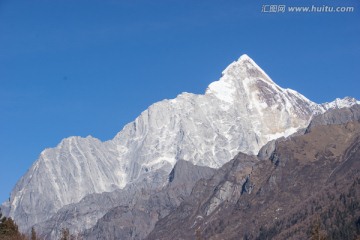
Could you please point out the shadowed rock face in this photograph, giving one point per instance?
(305, 180)
(85, 214)
(129, 213)
(137, 221)
(336, 116)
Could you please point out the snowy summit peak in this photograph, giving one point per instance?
(246, 64)
(340, 103)
(236, 79)
(244, 57)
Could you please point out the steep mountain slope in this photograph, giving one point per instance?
(82, 215)
(307, 180)
(239, 113)
(136, 222)
(138, 210)
(141, 204)
(62, 175)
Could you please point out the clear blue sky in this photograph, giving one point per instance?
(87, 67)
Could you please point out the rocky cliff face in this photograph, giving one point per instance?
(124, 222)
(307, 181)
(128, 213)
(336, 116)
(239, 113)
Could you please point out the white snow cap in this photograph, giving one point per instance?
(340, 103)
(234, 75)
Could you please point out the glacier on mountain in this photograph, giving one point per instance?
(240, 112)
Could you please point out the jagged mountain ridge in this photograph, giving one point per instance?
(137, 221)
(134, 220)
(304, 180)
(239, 113)
(142, 202)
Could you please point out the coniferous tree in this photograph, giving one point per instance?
(65, 234)
(9, 230)
(33, 234)
(198, 234)
(317, 233)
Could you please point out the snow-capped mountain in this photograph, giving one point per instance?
(340, 103)
(239, 113)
